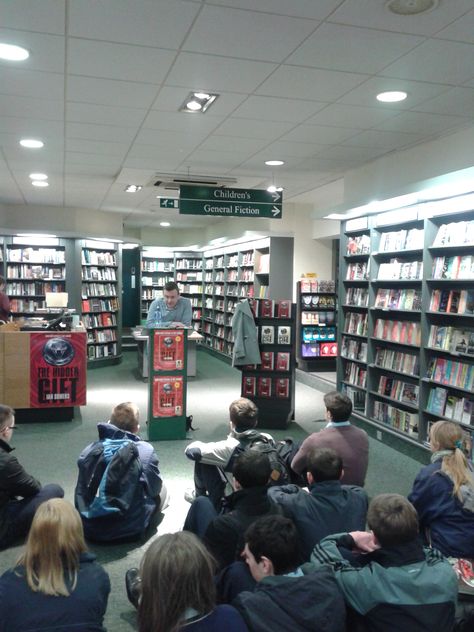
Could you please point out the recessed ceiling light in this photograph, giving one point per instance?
(38, 176)
(31, 143)
(202, 95)
(411, 7)
(193, 105)
(272, 188)
(198, 102)
(392, 97)
(10, 52)
(40, 183)
(274, 163)
(133, 188)
(165, 224)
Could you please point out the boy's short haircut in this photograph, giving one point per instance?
(276, 538)
(243, 414)
(325, 464)
(339, 405)
(6, 416)
(171, 286)
(252, 469)
(393, 519)
(125, 416)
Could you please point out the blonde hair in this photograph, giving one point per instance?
(53, 548)
(446, 435)
(125, 416)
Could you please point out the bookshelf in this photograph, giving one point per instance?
(316, 325)
(100, 303)
(157, 268)
(406, 327)
(188, 276)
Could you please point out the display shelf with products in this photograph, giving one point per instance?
(416, 339)
(316, 325)
(100, 304)
(157, 268)
(189, 277)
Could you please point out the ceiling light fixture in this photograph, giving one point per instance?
(393, 96)
(11, 52)
(411, 7)
(40, 183)
(274, 163)
(38, 176)
(165, 224)
(133, 188)
(31, 143)
(198, 102)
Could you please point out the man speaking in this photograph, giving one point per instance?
(171, 310)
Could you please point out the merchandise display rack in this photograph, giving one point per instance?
(406, 327)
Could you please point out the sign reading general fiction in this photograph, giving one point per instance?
(218, 201)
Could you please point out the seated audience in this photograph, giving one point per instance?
(350, 442)
(224, 534)
(177, 589)
(443, 494)
(119, 487)
(20, 493)
(398, 584)
(56, 584)
(211, 459)
(329, 507)
(286, 597)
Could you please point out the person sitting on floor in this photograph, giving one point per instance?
(20, 493)
(177, 589)
(329, 507)
(443, 494)
(398, 585)
(224, 534)
(56, 584)
(122, 503)
(211, 459)
(286, 597)
(350, 442)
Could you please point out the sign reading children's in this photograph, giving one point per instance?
(219, 201)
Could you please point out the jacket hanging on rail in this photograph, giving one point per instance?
(246, 350)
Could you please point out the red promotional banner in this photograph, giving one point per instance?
(57, 369)
(168, 396)
(169, 350)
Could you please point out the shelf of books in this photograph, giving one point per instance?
(316, 325)
(100, 301)
(2, 258)
(407, 320)
(31, 271)
(188, 276)
(157, 268)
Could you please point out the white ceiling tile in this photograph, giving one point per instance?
(458, 101)
(149, 23)
(46, 51)
(417, 91)
(182, 122)
(246, 34)
(33, 128)
(309, 83)
(89, 113)
(352, 116)
(86, 169)
(92, 160)
(422, 123)
(302, 9)
(439, 61)
(47, 16)
(385, 139)
(220, 159)
(227, 143)
(212, 73)
(375, 14)
(97, 147)
(285, 149)
(29, 108)
(347, 48)
(249, 128)
(29, 83)
(345, 152)
(169, 139)
(277, 109)
(110, 133)
(163, 162)
(110, 92)
(319, 134)
(118, 61)
(461, 30)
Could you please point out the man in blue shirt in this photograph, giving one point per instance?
(172, 310)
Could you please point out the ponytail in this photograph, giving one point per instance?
(447, 437)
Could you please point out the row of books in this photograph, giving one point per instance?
(455, 234)
(318, 318)
(354, 349)
(358, 245)
(154, 265)
(356, 323)
(396, 418)
(443, 403)
(405, 299)
(270, 335)
(35, 255)
(98, 289)
(319, 350)
(155, 281)
(357, 296)
(101, 335)
(149, 294)
(189, 264)
(190, 289)
(91, 273)
(401, 240)
(458, 267)
(403, 331)
(393, 360)
(98, 257)
(189, 277)
(95, 352)
(35, 288)
(103, 319)
(399, 390)
(315, 285)
(355, 374)
(451, 373)
(100, 305)
(398, 270)
(28, 271)
(356, 396)
(271, 361)
(268, 308)
(452, 339)
(358, 271)
(452, 301)
(315, 334)
(319, 301)
(266, 387)
(29, 306)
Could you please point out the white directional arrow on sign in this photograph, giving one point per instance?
(276, 211)
(276, 196)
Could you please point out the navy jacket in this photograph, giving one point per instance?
(83, 611)
(449, 522)
(329, 508)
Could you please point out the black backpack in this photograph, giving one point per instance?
(276, 452)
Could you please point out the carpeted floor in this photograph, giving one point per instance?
(49, 450)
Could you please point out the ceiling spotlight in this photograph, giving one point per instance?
(133, 188)
(38, 176)
(392, 97)
(31, 143)
(10, 52)
(165, 224)
(40, 183)
(198, 102)
(272, 188)
(274, 163)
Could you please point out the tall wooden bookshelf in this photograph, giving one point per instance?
(157, 268)
(188, 276)
(406, 323)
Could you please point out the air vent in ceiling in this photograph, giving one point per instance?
(174, 181)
